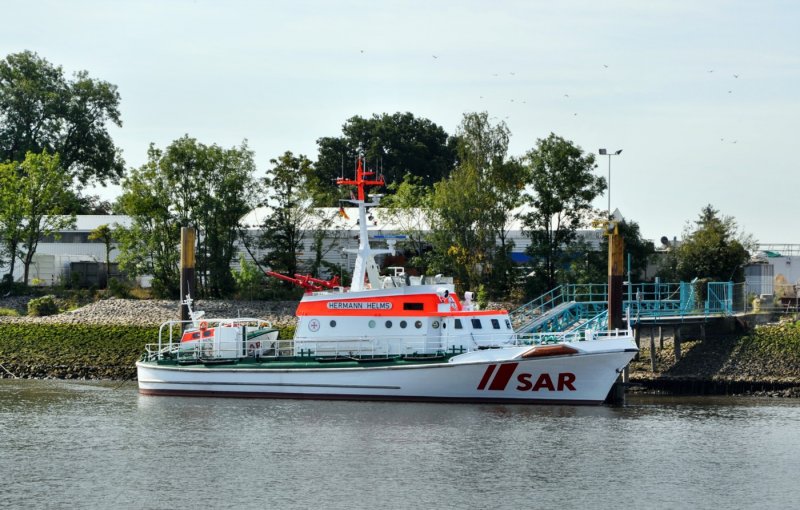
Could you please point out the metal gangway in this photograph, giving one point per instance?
(573, 307)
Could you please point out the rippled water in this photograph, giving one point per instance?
(98, 445)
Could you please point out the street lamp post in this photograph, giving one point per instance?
(604, 152)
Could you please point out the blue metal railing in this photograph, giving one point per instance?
(581, 306)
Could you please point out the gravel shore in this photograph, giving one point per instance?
(153, 312)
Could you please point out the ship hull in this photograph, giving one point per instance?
(583, 378)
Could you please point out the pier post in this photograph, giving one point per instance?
(660, 337)
(652, 350)
(637, 331)
(616, 395)
(187, 270)
(677, 343)
(615, 275)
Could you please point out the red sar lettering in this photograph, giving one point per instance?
(565, 380)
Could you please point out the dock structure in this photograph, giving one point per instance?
(585, 306)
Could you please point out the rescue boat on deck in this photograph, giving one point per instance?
(392, 337)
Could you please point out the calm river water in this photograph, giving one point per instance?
(101, 445)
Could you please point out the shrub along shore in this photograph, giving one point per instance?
(103, 340)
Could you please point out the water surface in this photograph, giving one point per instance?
(102, 445)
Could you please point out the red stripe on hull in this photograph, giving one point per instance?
(486, 376)
(504, 374)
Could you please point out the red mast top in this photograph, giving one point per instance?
(360, 180)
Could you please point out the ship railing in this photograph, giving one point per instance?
(367, 347)
(171, 332)
(568, 336)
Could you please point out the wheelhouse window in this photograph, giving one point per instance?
(476, 324)
(413, 306)
(495, 324)
(457, 324)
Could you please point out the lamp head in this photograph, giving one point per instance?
(618, 152)
(602, 152)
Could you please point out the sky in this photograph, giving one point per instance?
(703, 97)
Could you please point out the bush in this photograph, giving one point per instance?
(40, 307)
(119, 288)
(8, 312)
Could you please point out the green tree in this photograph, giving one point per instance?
(562, 188)
(394, 144)
(589, 264)
(104, 233)
(471, 209)
(150, 246)
(188, 184)
(406, 206)
(42, 110)
(291, 214)
(714, 248)
(33, 196)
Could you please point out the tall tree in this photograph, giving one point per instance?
(33, 197)
(470, 210)
(194, 185)
(714, 248)
(291, 214)
(150, 246)
(42, 110)
(562, 188)
(104, 233)
(393, 144)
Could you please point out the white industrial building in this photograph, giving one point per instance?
(59, 257)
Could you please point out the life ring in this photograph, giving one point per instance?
(203, 325)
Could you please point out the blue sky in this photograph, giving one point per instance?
(703, 97)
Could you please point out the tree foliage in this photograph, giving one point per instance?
(394, 144)
(714, 248)
(194, 185)
(42, 110)
(405, 206)
(291, 215)
(32, 198)
(562, 188)
(590, 265)
(105, 234)
(471, 208)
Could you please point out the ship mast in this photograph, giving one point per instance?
(365, 267)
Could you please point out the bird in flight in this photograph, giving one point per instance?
(735, 75)
(566, 95)
(605, 65)
(435, 56)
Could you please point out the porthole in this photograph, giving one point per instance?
(435, 324)
(372, 324)
(418, 324)
(388, 324)
(333, 324)
(403, 324)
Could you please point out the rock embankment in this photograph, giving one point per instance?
(152, 312)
